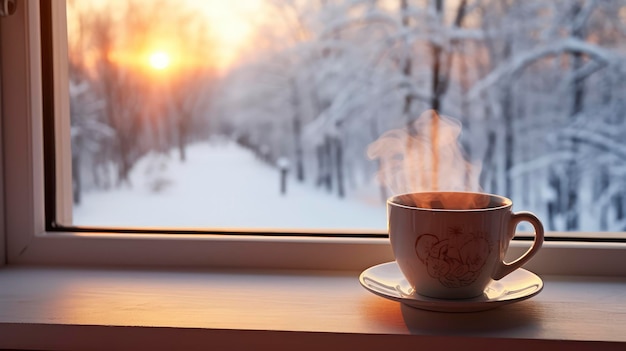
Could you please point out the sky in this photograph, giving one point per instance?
(230, 23)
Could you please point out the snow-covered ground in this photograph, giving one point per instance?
(222, 186)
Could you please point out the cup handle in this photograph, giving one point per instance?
(506, 268)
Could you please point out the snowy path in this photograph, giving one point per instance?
(221, 186)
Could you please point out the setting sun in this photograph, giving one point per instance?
(159, 60)
(216, 33)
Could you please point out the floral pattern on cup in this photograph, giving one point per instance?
(456, 261)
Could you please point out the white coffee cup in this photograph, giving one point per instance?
(451, 245)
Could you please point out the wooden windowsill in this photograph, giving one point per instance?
(79, 308)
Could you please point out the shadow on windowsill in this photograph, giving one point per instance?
(516, 320)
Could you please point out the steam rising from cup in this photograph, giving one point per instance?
(427, 158)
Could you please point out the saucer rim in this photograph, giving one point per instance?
(450, 305)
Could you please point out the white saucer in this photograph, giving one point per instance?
(386, 280)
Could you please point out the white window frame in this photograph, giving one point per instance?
(28, 242)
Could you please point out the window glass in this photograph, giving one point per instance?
(308, 115)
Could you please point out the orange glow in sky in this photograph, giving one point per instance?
(229, 25)
(231, 22)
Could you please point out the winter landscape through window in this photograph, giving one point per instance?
(287, 114)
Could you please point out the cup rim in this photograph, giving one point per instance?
(506, 202)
